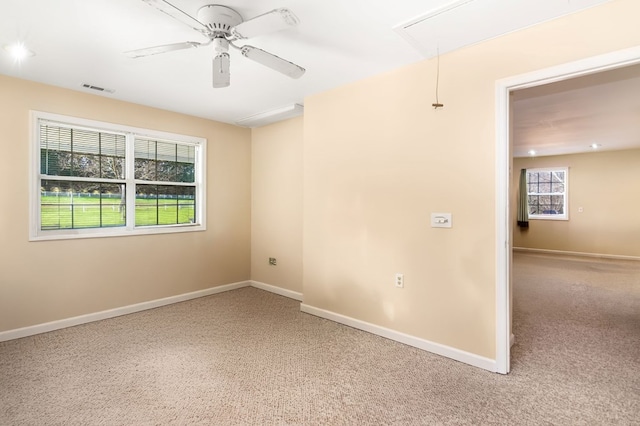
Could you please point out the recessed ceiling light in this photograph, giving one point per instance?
(18, 51)
(531, 152)
(595, 145)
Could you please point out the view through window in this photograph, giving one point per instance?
(100, 181)
(547, 193)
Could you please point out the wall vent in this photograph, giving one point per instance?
(97, 88)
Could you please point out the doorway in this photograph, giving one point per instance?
(503, 177)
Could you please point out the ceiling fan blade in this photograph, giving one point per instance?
(221, 76)
(272, 61)
(148, 51)
(174, 12)
(276, 20)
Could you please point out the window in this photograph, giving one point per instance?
(93, 179)
(547, 193)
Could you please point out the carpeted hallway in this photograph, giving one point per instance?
(251, 357)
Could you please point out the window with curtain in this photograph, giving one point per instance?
(547, 193)
(97, 179)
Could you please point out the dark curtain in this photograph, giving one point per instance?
(523, 206)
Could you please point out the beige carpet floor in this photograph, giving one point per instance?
(248, 357)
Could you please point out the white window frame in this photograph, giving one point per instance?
(35, 231)
(565, 194)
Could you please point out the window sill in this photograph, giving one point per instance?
(113, 232)
(557, 217)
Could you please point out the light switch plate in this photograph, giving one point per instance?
(441, 220)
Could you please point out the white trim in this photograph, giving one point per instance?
(578, 68)
(277, 290)
(576, 253)
(138, 307)
(35, 231)
(416, 342)
(503, 227)
(565, 194)
(116, 312)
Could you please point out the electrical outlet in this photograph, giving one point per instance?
(272, 261)
(399, 280)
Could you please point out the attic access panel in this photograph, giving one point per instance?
(465, 22)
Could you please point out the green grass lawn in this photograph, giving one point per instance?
(63, 212)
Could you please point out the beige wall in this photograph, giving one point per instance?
(52, 280)
(276, 204)
(378, 159)
(606, 185)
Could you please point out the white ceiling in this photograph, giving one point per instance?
(337, 41)
(568, 116)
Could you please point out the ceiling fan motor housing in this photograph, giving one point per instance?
(219, 19)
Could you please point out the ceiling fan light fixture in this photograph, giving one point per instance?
(222, 26)
(220, 45)
(221, 75)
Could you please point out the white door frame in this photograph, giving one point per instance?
(591, 65)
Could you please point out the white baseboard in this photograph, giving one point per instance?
(437, 348)
(446, 351)
(575, 253)
(277, 290)
(512, 339)
(116, 312)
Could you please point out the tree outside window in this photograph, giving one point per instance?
(99, 179)
(547, 193)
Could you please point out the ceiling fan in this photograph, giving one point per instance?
(224, 26)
